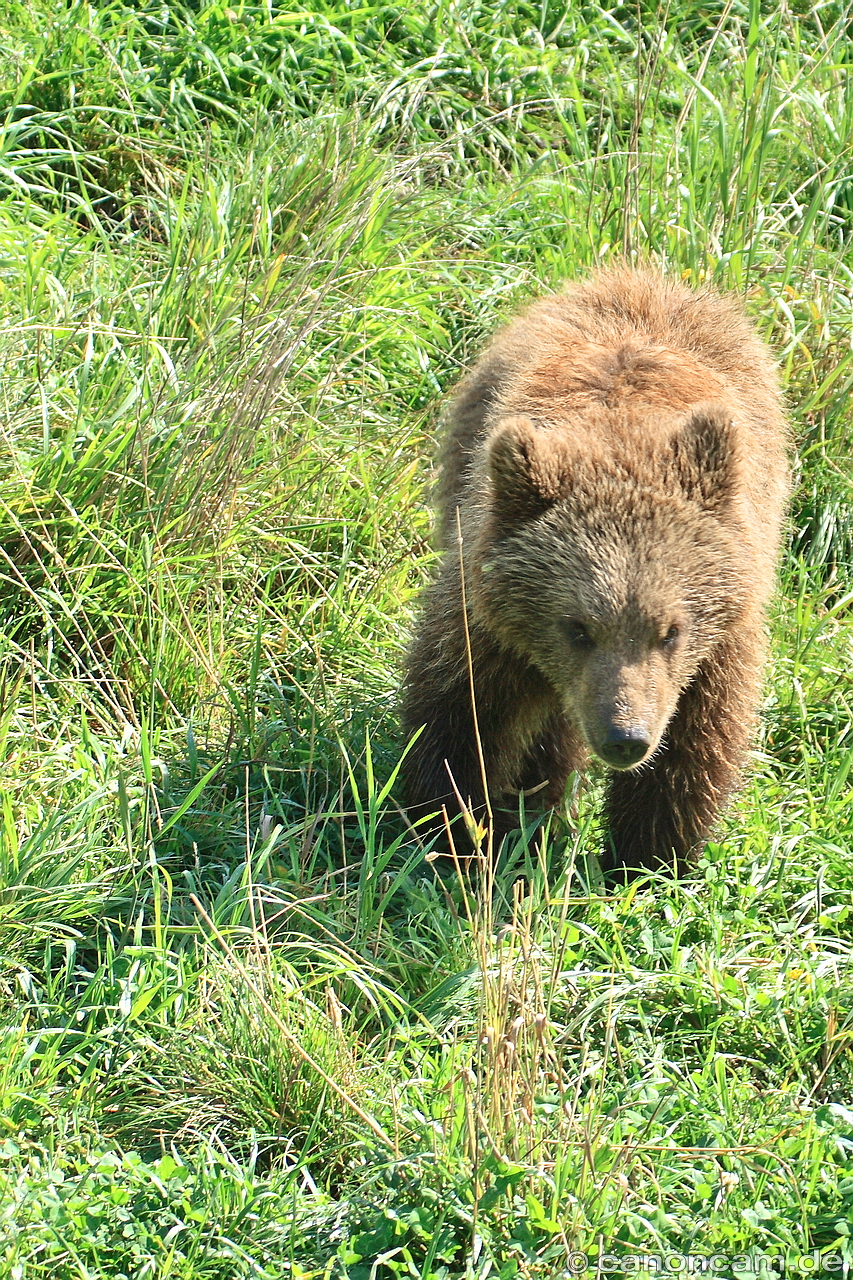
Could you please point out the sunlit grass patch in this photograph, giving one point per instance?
(247, 1029)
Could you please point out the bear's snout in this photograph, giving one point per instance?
(624, 748)
(622, 706)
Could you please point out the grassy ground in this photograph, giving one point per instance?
(243, 252)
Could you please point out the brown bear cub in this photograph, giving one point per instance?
(612, 493)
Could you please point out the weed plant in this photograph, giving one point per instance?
(246, 1030)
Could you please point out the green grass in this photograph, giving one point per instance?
(244, 253)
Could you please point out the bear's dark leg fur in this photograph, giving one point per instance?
(554, 754)
(659, 815)
(525, 738)
(557, 751)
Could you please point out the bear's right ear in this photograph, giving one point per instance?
(705, 457)
(525, 470)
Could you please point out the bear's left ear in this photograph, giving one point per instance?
(705, 457)
(525, 469)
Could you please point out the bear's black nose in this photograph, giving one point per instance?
(624, 747)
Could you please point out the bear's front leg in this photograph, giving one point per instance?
(659, 815)
(456, 752)
(514, 728)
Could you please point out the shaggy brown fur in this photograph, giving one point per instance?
(617, 459)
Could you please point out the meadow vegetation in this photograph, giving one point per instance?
(246, 1031)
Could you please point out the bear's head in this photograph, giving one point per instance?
(615, 568)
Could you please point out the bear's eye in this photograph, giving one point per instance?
(669, 640)
(577, 634)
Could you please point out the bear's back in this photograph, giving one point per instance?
(623, 343)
